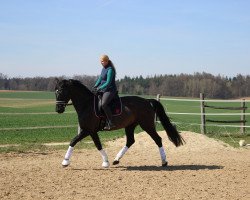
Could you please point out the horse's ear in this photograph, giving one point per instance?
(56, 81)
(70, 81)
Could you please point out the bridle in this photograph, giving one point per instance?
(63, 103)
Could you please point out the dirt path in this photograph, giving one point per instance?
(202, 169)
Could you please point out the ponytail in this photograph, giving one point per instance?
(112, 65)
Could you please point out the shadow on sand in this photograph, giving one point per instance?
(158, 168)
(173, 168)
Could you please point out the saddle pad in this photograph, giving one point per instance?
(115, 106)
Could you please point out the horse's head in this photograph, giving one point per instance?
(62, 94)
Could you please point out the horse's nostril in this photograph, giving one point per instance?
(60, 108)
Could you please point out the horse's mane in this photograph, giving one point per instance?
(78, 84)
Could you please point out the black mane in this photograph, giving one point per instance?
(78, 84)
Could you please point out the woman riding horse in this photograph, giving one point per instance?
(105, 86)
(135, 111)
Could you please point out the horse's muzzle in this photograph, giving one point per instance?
(60, 106)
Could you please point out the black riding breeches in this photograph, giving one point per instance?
(106, 99)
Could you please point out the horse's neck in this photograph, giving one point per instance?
(81, 101)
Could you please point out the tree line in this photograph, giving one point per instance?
(40, 83)
(187, 85)
(181, 85)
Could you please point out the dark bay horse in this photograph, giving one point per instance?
(135, 111)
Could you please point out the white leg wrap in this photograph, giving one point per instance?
(105, 160)
(104, 155)
(69, 153)
(65, 163)
(121, 153)
(162, 153)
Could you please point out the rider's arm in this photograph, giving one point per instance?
(110, 75)
(98, 82)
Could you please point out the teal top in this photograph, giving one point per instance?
(106, 80)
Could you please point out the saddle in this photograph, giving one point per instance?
(115, 106)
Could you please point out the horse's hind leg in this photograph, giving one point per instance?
(130, 141)
(150, 129)
(154, 135)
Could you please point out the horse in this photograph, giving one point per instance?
(135, 111)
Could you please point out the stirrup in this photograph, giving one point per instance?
(109, 126)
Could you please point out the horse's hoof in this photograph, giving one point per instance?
(65, 163)
(115, 162)
(164, 164)
(105, 164)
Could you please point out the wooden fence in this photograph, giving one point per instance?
(204, 119)
(204, 116)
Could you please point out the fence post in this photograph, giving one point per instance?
(158, 99)
(243, 116)
(203, 117)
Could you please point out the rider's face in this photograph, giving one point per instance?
(104, 62)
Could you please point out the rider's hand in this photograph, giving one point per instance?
(94, 90)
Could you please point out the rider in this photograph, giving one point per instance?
(106, 85)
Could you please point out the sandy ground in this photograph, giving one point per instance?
(202, 169)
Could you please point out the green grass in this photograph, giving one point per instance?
(230, 135)
(33, 140)
(19, 110)
(27, 95)
(186, 121)
(231, 138)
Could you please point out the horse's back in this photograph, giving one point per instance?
(137, 104)
(134, 99)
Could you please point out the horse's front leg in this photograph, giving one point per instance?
(82, 134)
(96, 139)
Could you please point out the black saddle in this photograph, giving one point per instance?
(115, 106)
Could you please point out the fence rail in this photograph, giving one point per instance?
(211, 114)
(206, 100)
(204, 115)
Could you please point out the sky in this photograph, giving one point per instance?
(142, 37)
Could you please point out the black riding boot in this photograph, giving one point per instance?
(109, 123)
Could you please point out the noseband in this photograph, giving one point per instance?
(63, 103)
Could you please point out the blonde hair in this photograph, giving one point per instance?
(110, 63)
(104, 57)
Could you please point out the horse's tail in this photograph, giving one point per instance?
(172, 133)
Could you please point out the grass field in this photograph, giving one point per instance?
(28, 119)
(223, 132)
(193, 121)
